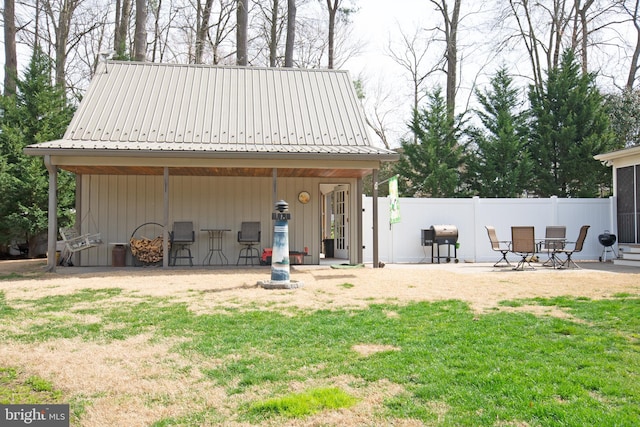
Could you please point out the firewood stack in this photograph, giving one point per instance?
(148, 251)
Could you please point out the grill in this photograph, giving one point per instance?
(445, 234)
(607, 240)
(441, 235)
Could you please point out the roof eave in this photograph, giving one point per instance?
(38, 151)
(618, 154)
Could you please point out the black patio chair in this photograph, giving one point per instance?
(249, 236)
(182, 237)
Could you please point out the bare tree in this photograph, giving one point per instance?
(202, 28)
(242, 22)
(60, 15)
(60, 18)
(274, 34)
(633, 12)
(310, 43)
(140, 38)
(451, 20)
(123, 18)
(223, 30)
(411, 56)
(10, 53)
(547, 27)
(332, 8)
(291, 33)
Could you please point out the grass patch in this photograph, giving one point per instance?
(454, 367)
(346, 285)
(11, 276)
(200, 418)
(15, 387)
(299, 405)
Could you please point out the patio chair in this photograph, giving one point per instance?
(554, 239)
(577, 247)
(74, 242)
(182, 237)
(249, 237)
(502, 246)
(523, 243)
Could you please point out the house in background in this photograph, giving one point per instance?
(626, 189)
(216, 146)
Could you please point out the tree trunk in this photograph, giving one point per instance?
(273, 35)
(116, 30)
(452, 59)
(241, 32)
(291, 33)
(140, 39)
(203, 30)
(332, 7)
(451, 53)
(633, 67)
(62, 38)
(122, 26)
(10, 54)
(157, 33)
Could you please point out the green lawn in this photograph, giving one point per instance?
(456, 368)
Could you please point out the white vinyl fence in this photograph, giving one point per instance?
(401, 242)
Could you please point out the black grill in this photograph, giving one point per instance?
(607, 240)
(441, 235)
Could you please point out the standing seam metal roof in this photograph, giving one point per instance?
(169, 107)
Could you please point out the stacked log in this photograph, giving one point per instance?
(148, 251)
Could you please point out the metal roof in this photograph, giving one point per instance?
(151, 107)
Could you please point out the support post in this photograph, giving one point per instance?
(375, 218)
(165, 237)
(52, 237)
(274, 185)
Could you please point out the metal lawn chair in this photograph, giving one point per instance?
(577, 247)
(554, 240)
(523, 243)
(502, 246)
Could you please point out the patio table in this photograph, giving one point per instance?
(215, 246)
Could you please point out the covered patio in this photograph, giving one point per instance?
(216, 146)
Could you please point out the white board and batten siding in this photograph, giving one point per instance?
(117, 205)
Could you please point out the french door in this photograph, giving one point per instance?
(341, 221)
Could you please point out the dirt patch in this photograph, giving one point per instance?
(369, 349)
(324, 288)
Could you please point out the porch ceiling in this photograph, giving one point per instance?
(217, 171)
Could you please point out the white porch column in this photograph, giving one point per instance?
(374, 180)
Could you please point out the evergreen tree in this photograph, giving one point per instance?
(432, 166)
(570, 125)
(624, 114)
(38, 112)
(500, 165)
